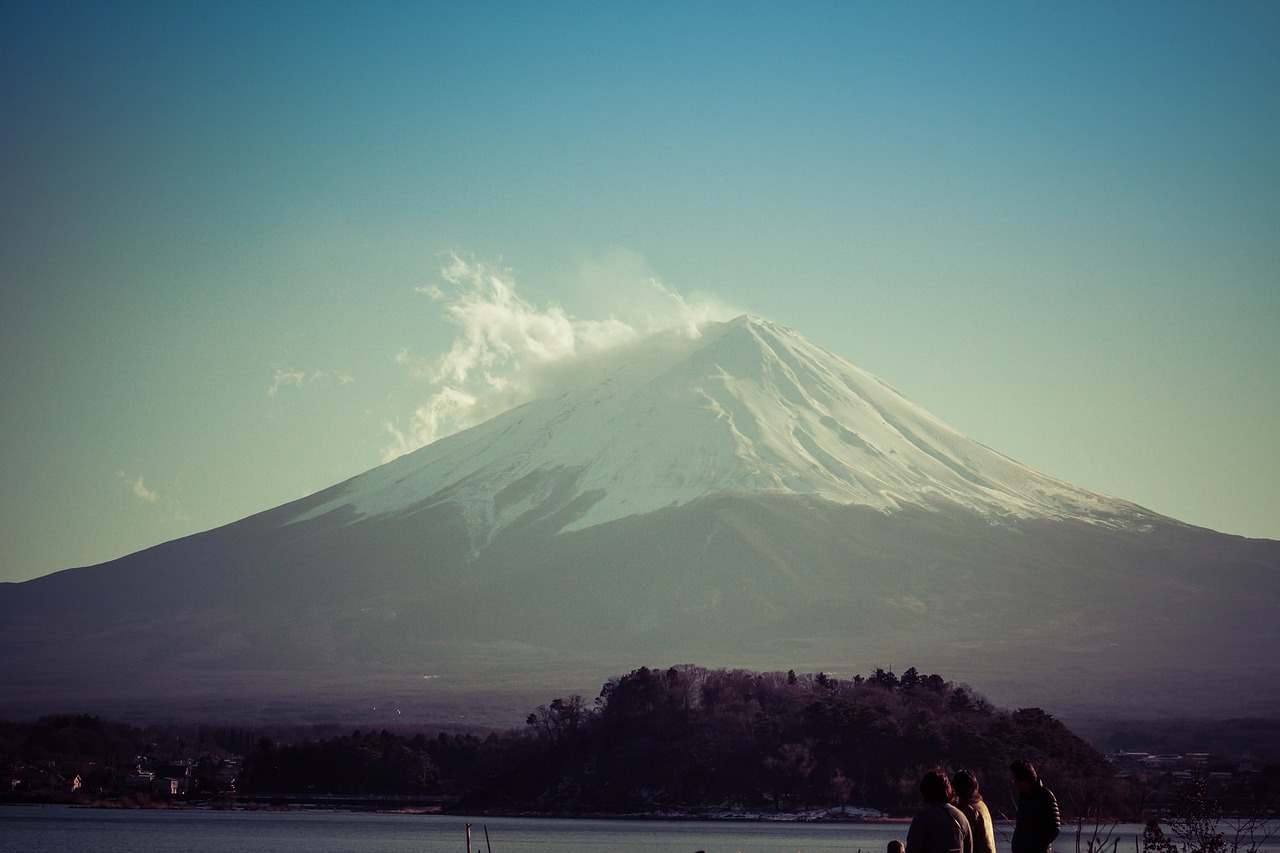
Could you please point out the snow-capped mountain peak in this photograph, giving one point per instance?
(747, 406)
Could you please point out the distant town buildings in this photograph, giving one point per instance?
(1230, 783)
(185, 778)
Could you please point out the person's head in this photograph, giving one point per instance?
(966, 785)
(895, 846)
(1024, 774)
(935, 787)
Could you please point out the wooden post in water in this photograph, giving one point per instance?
(468, 838)
(486, 838)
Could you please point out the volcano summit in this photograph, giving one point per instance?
(738, 497)
(748, 407)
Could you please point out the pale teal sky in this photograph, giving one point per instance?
(1055, 226)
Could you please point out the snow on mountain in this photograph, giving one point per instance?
(746, 406)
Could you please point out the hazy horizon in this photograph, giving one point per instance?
(249, 252)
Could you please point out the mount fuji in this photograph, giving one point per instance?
(734, 497)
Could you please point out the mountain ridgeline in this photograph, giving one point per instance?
(741, 498)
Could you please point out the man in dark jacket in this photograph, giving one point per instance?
(1038, 820)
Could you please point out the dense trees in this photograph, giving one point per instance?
(357, 765)
(687, 737)
(684, 738)
(70, 738)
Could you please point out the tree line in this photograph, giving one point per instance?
(688, 737)
(682, 739)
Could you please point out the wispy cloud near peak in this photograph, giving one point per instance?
(285, 378)
(291, 377)
(508, 350)
(139, 488)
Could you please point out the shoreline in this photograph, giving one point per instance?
(379, 805)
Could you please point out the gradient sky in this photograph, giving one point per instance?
(1055, 226)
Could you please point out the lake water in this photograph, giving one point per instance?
(34, 829)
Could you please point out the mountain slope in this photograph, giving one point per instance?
(740, 499)
(749, 406)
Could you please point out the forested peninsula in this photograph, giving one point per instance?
(686, 740)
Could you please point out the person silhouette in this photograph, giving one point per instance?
(969, 800)
(1039, 820)
(938, 826)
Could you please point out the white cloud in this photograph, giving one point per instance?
(432, 419)
(168, 504)
(620, 282)
(139, 488)
(507, 350)
(141, 491)
(286, 377)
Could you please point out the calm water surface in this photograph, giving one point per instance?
(64, 829)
